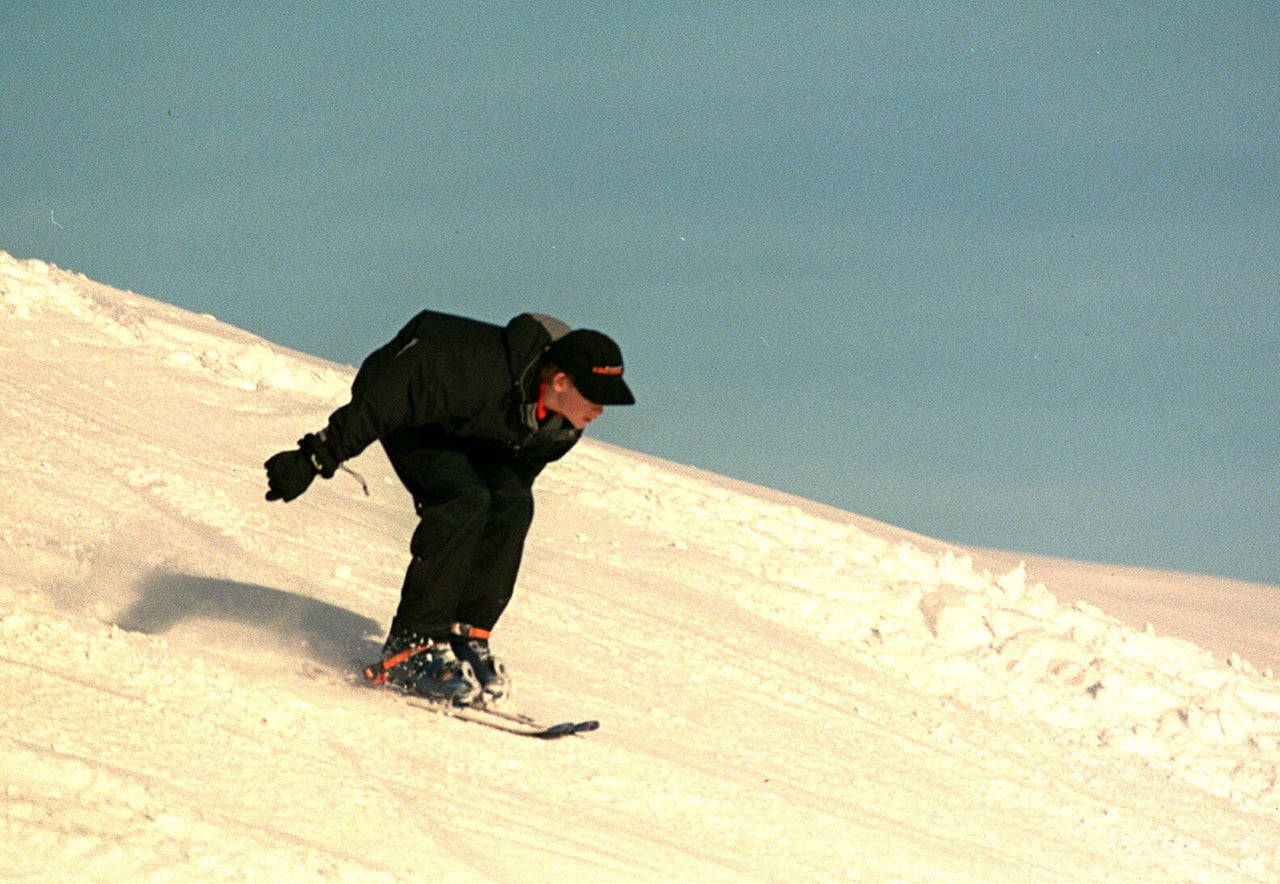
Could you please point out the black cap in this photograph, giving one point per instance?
(594, 362)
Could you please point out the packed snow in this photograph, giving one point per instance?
(785, 691)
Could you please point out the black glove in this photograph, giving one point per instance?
(290, 473)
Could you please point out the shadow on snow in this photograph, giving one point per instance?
(329, 635)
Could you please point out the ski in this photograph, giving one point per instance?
(510, 722)
(489, 716)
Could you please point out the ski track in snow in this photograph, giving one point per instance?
(786, 692)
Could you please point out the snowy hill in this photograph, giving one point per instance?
(787, 692)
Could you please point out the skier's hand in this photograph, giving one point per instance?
(290, 473)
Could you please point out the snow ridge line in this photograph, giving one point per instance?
(31, 289)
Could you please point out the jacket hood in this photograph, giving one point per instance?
(528, 337)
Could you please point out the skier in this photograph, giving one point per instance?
(468, 413)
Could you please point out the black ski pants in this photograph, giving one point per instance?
(475, 511)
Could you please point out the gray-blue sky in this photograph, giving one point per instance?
(1004, 274)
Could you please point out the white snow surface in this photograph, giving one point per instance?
(786, 691)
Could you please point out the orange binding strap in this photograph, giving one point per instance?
(377, 673)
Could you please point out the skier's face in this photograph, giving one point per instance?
(562, 397)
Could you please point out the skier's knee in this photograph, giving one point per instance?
(513, 506)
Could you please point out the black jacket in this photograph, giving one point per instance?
(451, 382)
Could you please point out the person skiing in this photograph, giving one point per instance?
(468, 413)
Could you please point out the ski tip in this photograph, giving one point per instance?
(568, 728)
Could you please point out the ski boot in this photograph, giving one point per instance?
(426, 669)
(471, 646)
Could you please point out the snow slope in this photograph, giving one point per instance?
(787, 692)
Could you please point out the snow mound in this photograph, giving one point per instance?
(1001, 644)
(787, 692)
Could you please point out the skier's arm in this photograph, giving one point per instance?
(403, 393)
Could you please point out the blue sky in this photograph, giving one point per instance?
(1004, 274)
